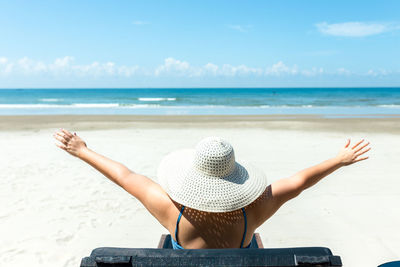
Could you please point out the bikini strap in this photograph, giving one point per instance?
(177, 223)
(245, 228)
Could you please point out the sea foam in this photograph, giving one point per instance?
(156, 99)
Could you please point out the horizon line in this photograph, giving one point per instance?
(241, 87)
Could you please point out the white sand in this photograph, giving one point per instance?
(55, 209)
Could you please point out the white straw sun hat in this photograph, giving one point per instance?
(209, 178)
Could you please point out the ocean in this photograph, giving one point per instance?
(328, 102)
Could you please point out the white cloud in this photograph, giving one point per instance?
(229, 70)
(3, 60)
(95, 69)
(127, 71)
(240, 28)
(109, 68)
(29, 66)
(313, 72)
(63, 62)
(173, 66)
(25, 63)
(65, 67)
(9, 68)
(280, 68)
(343, 71)
(371, 73)
(5, 66)
(355, 29)
(211, 69)
(61, 66)
(380, 72)
(176, 67)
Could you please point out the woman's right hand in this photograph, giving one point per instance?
(69, 142)
(351, 154)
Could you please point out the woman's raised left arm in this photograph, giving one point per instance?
(75, 146)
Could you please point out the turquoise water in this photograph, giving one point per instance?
(243, 101)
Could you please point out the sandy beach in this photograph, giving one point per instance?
(55, 209)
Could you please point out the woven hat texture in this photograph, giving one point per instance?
(208, 178)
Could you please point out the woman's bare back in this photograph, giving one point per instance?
(199, 229)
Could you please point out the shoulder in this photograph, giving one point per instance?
(151, 195)
(257, 207)
(263, 207)
(274, 196)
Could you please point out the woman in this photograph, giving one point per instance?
(207, 199)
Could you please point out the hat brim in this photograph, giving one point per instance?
(198, 190)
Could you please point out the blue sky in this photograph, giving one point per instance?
(199, 43)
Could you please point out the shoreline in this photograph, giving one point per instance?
(272, 122)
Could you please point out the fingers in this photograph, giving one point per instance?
(64, 135)
(67, 133)
(362, 147)
(62, 146)
(60, 138)
(359, 142)
(347, 143)
(360, 159)
(363, 152)
(65, 139)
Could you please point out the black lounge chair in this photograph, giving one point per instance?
(391, 264)
(256, 255)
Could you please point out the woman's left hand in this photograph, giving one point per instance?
(69, 142)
